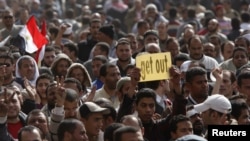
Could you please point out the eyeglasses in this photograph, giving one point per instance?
(6, 64)
(8, 17)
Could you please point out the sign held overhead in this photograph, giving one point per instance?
(154, 66)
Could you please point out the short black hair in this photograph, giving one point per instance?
(67, 125)
(125, 129)
(75, 81)
(44, 76)
(104, 47)
(101, 58)
(109, 130)
(104, 67)
(28, 128)
(242, 75)
(71, 47)
(145, 93)
(175, 120)
(194, 71)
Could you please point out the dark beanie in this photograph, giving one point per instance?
(108, 30)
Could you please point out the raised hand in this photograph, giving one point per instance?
(30, 90)
(135, 75)
(175, 78)
(5, 102)
(91, 95)
(217, 73)
(175, 75)
(60, 92)
(156, 116)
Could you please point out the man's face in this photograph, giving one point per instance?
(197, 122)
(183, 128)
(78, 74)
(14, 105)
(173, 48)
(49, 58)
(211, 117)
(9, 67)
(111, 78)
(27, 69)
(212, 25)
(70, 109)
(51, 96)
(31, 136)
(67, 52)
(226, 87)
(62, 67)
(145, 27)
(79, 133)
(96, 65)
(151, 13)
(146, 109)
(209, 50)
(162, 28)
(39, 121)
(93, 124)
(199, 86)
(94, 27)
(195, 49)
(244, 118)
(123, 52)
(8, 19)
(242, 43)
(240, 58)
(228, 51)
(97, 51)
(41, 86)
(245, 89)
(133, 43)
(151, 39)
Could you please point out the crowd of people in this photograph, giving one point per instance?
(88, 88)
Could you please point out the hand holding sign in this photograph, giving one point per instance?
(135, 78)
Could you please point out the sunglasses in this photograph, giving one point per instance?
(8, 17)
(6, 64)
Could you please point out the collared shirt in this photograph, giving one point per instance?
(209, 62)
(101, 93)
(161, 101)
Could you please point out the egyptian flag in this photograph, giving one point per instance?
(34, 39)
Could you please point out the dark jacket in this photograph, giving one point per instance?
(85, 48)
(155, 130)
(4, 134)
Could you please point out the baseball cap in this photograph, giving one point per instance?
(191, 137)
(122, 81)
(191, 112)
(68, 30)
(91, 107)
(185, 65)
(216, 102)
(150, 32)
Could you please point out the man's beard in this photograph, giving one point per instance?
(125, 60)
(198, 128)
